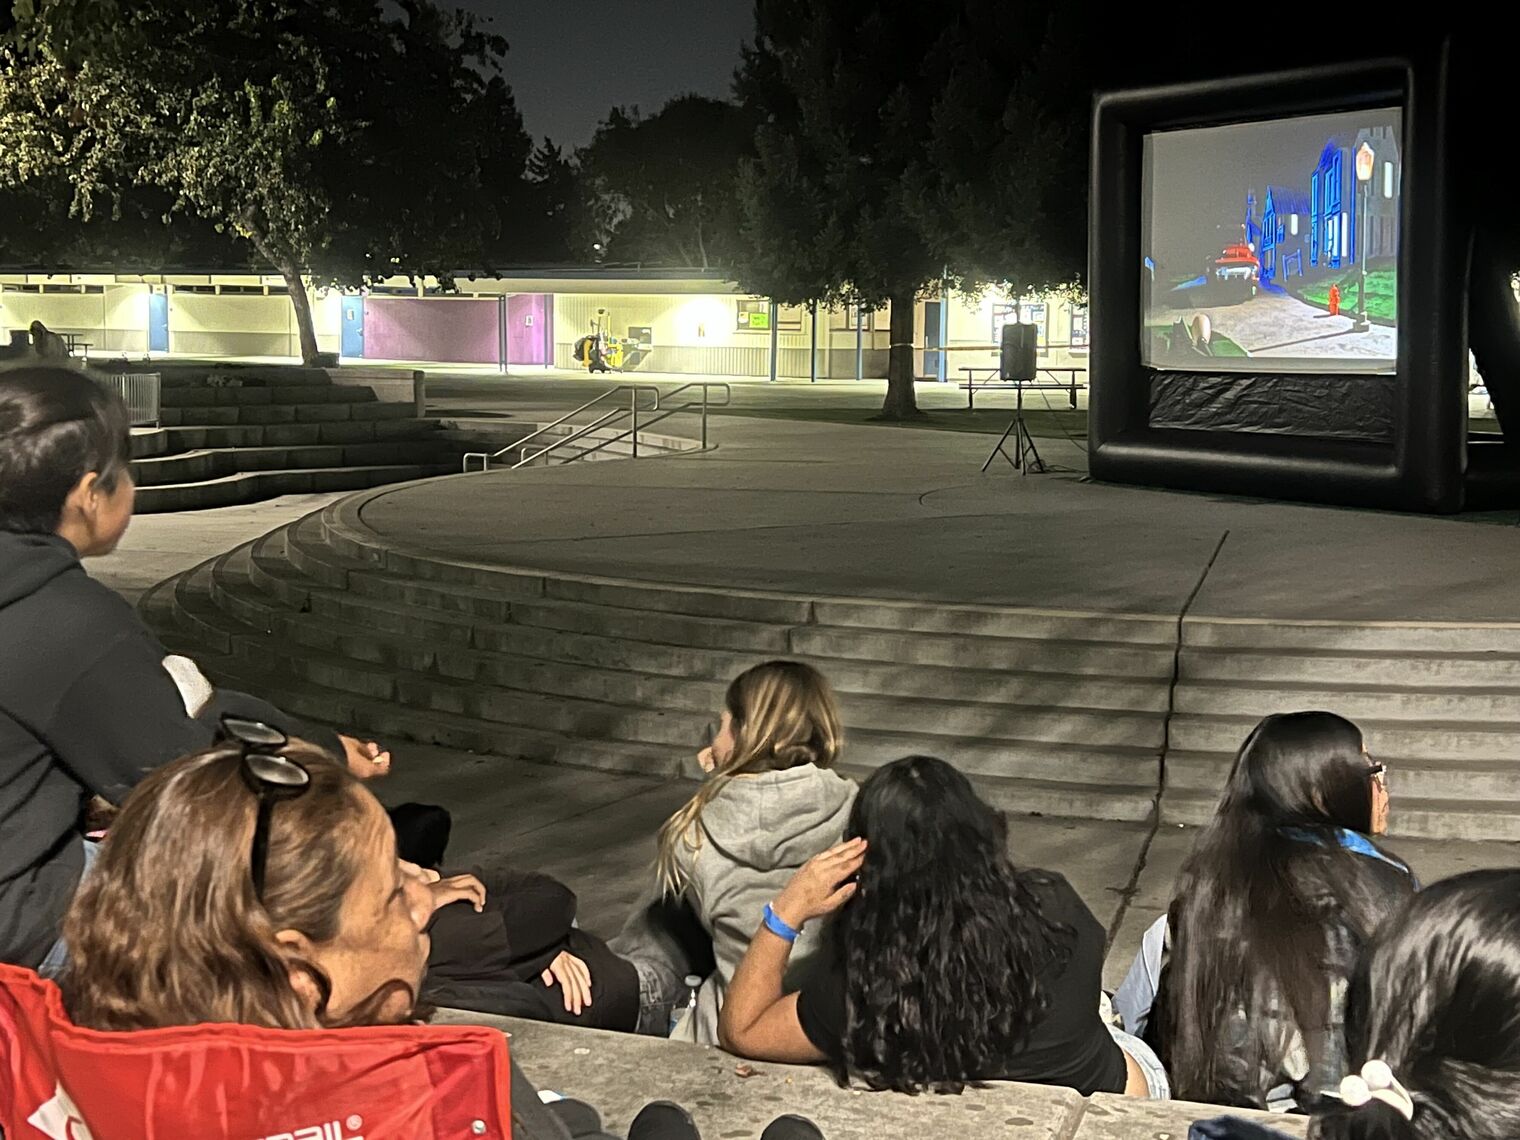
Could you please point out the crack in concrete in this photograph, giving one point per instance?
(1127, 894)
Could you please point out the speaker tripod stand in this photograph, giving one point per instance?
(1025, 457)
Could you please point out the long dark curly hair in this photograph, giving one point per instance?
(942, 946)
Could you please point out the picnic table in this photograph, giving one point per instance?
(971, 387)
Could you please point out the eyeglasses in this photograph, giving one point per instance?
(1379, 772)
(270, 776)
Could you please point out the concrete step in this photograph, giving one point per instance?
(261, 395)
(1391, 669)
(1411, 817)
(213, 463)
(224, 415)
(1389, 740)
(251, 486)
(193, 376)
(1357, 702)
(1485, 781)
(1353, 637)
(1024, 654)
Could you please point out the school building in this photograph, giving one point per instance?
(675, 322)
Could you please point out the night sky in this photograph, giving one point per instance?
(1199, 178)
(573, 60)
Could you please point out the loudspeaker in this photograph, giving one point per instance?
(1016, 361)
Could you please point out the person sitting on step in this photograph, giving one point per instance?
(769, 804)
(302, 916)
(944, 965)
(1282, 889)
(522, 954)
(1432, 1023)
(88, 704)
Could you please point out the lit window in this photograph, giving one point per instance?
(1293, 224)
(1387, 180)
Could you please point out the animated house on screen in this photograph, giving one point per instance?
(1273, 245)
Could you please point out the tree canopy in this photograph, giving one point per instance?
(900, 144)
(663, 187)
(309, 130)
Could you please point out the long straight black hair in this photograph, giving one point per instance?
(1436, 997)
(942, 944)
(1254, 900)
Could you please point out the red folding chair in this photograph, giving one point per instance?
(237, 1082)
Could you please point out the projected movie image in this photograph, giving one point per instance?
(1273, 246)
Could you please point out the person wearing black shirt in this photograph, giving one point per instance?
(943, 966)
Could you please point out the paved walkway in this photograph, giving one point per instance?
(876, 511)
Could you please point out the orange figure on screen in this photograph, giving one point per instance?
(1335, 300)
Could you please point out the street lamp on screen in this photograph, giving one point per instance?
(1365, 161)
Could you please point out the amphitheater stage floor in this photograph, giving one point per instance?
(862, 511)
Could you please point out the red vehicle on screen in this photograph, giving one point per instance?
(1238, 270)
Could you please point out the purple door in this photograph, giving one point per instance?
(528, 328)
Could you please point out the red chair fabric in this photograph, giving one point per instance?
(237, 1082)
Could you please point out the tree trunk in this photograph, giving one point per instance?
(901, 403)
(302, 305)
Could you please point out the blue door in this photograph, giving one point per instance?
(934, 362)
(353, 326)
(158, 322)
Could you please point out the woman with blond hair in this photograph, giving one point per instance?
(769, 803)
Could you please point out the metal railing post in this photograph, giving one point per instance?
(633, 404)
(704, 417)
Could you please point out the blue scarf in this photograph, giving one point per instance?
(1350, 841)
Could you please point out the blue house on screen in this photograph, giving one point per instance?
(1285, 228)
(1337, 200)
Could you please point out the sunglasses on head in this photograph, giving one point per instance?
(269, 774)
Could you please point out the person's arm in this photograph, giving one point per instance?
(120, 718)
(759, 1019)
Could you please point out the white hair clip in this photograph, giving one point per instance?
(1377, 1082)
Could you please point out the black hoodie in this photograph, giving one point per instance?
(86, 707)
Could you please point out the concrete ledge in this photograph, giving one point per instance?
(390, 385)
(618, 1074)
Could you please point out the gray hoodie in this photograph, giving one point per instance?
(754, 836)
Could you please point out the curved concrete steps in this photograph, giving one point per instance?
(1056, 713)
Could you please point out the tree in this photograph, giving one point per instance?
(1005, 199)
(843, 94)
(662, 188)
(308, 130)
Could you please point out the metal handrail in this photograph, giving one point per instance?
(631, 412)
(485, 457)
(705, 386)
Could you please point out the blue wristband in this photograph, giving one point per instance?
(777, 925)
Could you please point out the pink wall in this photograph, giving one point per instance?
(434, 329)
(529, 333)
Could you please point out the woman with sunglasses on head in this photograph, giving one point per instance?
(770, 802)
(1282, 890)
(258, 883)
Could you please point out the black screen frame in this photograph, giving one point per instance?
(1421, 465)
